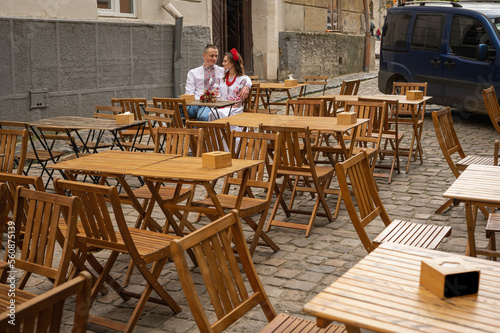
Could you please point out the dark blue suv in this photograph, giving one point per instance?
(453, 46)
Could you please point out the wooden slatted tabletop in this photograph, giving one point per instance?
(247, 119)
(476, 185)
(191, 169)
(382, 293)
(79, 123)
(112, 162)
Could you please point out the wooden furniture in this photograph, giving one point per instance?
(144, 247)
(269, 88)
(83, 123)
(4, 202)
(496, 153)
(44, 313)
(189, 171)
(158, 117)
(36, 248)
(252, 146)
(251, 104)
(114, 164)
(314, 80)
(94, 139)
(348, 89)
(322, 124)
(8, 147)
(174, 104)
(392, 137)
(476, 186)
(450, 145)
(330, 104)
(382, 293)
(491, 103)
(216, 136)
(295, 145)
(230, 295)
(306, 107)
(356, 170)
(492, 227)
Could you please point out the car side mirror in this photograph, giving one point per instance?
(482, 52)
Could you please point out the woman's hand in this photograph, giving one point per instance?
(244, 93)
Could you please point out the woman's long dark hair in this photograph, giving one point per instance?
(238, 64)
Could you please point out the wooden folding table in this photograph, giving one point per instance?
(382, 292)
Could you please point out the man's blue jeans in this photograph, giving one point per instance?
(197, 112)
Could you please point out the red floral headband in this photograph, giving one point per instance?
(235, 54)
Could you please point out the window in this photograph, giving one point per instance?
(123, 8)
(427, 32)
(396, 30)
(466, 34)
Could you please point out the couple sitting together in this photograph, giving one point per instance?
(228, 82)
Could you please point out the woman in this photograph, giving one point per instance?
(230, 87)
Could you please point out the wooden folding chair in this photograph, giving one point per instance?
(297, 163)
(492, 227)
(226, 286)
(491, 103)
(174, 104)
(143, 246)
(216, 136)
(450, 145)
(37, 215)
(348, 88)
(496, 153)
(4, 202)
(306, 107)
(314, 80)
(9, 139)
(135, 106)
(252, 146)
(158, 117)
(330, 104)
(251, 104)
(44, 313)
(400, 88)
(368, 207)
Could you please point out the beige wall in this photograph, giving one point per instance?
(195, 12)
(265, 31)
(304, 15)
(353, 18)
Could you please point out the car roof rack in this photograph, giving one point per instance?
(422, 3)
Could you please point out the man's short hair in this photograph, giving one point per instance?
(208, 47)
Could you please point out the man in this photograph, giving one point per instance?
(206, 77)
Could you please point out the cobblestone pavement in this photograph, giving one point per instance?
(305, 266)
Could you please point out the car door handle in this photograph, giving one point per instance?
(435, 62)
(449, 64)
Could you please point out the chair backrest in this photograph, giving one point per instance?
(157, 117)
(43, 313)
(491, 103)
(9, 138)
(295, 148)
(4, 202)
(180, 141)
(220, 271)
(447, 137)
(306, 107)
(318, 80)
(42, 233)
(107, 112)
(11, 182)
(132, 105)
(251, 104)
(172, 104)
(356, 171)
(255, 146)
(350, 87)
(390, 125)
(216, 136)
(330, 106)
(366, 110)
(400, 88)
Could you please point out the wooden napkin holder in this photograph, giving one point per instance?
(125, 118)
(291, 83)
(346, 118)
(449, 277)
(188, 98)
(414, 95)
(216, 160)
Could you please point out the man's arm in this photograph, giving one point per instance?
(246, 89)
(190, 83)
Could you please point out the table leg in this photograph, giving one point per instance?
(471, 215)
(268, 98)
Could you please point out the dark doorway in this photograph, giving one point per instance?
(232, 28)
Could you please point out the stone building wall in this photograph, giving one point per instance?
(329, 54)
(81, 64)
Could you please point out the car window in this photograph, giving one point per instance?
(396, 30)
(427, 31)
(466, 34)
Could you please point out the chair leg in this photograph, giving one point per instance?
(279, 199)
(260, 234)
(492, 245)
(445, 206)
